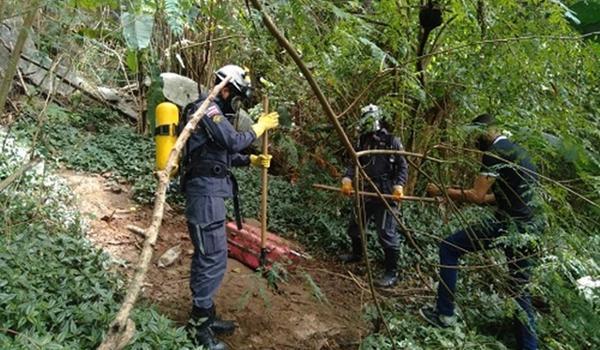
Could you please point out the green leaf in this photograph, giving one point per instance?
(137, 29)
(132, 61)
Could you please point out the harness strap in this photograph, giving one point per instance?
(237, 212)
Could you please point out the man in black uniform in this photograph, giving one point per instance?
(389, 173)
(210, 152)
(508, 171)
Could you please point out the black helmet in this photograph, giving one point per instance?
(240, 79)
(370, 119)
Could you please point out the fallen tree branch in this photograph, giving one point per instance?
(122, 328)
(89, 90)
(400, 152)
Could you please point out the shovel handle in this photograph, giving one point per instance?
(265, 179)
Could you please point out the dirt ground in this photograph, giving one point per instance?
(297, 315)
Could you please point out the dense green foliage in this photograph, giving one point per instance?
(57, 291)
(520, 60)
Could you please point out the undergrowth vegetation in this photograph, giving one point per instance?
(57, 291)
(94, 140)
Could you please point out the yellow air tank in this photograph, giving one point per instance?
(165, 134)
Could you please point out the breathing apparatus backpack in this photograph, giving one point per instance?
(165, 132)
(169, 125)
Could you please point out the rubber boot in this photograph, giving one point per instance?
(390, 275)
(355, 255)
(220, 326)
(201, 331)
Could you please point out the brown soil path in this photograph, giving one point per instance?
(295, 316)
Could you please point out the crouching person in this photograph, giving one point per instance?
(508, 172)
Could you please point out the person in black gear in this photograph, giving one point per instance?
(207, 181)
(389, 173)
(509, 173)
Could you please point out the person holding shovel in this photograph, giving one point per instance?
(389, 173)
(210, 152)
(507, 170)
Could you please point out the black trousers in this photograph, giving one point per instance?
(375, 211)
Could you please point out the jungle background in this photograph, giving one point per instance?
(534, 64)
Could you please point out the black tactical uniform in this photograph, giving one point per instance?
(386, 171)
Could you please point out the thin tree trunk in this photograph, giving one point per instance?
(142, 120)
(122, 328)
(481, 17)
(283, 42)
(11, 69)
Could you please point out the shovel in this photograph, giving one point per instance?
(253, 245)
(264, 192)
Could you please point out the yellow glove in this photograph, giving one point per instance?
(260, 160)
(347, 186)
(398, 192)
(266, 122)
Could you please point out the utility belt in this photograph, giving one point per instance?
(220, 171)
(208, 169)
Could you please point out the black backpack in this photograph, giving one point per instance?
(185, 157)
(388, 143)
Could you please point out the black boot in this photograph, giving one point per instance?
(201, 331)
(220, 326)
(356, 254)
(390, 275)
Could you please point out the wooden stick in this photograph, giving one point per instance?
(375, 195)
(122, 328)
(265, 191)
(399, 152)
(137, 230)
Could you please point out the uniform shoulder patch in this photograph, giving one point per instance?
(212, 111)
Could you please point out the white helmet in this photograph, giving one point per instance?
(370, 118)
(239, 78)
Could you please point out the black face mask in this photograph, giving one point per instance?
(482, 143)
(226, 107)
